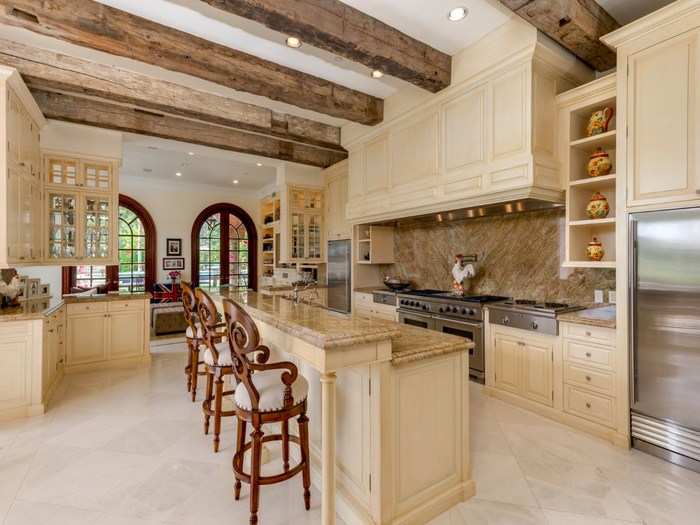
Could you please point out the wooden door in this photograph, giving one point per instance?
(537, 372)
(87, 339)
(663, 120)
(125, 334)
(507, 359)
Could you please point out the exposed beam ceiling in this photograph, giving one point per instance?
(345, 31)
(575, 24)
(94, 25)
(51, 71)
(101, 114)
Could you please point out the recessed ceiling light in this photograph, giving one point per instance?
(190, 153)
(294, 42)
(377, 73)
(259, 164)
(457, 13)
(235, 181)
(178, 174)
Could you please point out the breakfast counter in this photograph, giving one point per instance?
(388, 405)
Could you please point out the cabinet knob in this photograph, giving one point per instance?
(588, 405)
(521, 343)
(588, 378)
(588, 354)
(588, 334)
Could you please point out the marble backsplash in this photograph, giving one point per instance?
(519, 255)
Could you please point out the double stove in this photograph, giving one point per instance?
(460, 315)
(527, 314)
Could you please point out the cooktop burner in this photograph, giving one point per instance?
(540, 306)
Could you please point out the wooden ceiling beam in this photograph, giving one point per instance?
(345, 31)
(90, 112)
(50, 71)
(97, 26)
(575, 24)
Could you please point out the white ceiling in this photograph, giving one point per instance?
(625, 11)
(159, 159)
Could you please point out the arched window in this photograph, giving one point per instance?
(137, 256)
(224, 241)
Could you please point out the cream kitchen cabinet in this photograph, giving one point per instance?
(365, 306)
(524, 364)
(659, 102)
(336, 200)
(105, 331)
(302, 231)
(21, 196)
(489, 140)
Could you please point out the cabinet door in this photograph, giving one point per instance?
(14, 223)
(62, 225)
(37, 221)
(331, 216)
(664, 117)
(297, 236)
(15, 362)
(87, 339)
(97, 221)
(314, 234)
(62, 172)
(537, 372)
(96, 176)
(343, 228)
(356, 173)
(507, 358)
(125, 334)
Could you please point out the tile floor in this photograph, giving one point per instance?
(125, 447)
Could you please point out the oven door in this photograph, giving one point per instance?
(416, 319)
(472, 331)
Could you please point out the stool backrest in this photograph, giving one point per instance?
(189, 304)
(250, 356)
(208, 318)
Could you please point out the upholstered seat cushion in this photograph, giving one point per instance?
(190, 333)
(271, 389)
(224, 355)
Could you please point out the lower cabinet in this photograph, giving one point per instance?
(523, 365)
(364, 305)
(106, 330)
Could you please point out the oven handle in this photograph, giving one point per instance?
(479, 325)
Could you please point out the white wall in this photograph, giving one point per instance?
(174, 207)
(81, 140)
(48, 274)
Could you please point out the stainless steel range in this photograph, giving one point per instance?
(530, 315)
(445, 312)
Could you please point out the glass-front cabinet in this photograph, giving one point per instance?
(81, 201)
(305, 224)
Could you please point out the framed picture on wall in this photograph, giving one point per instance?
(173, 263)
(174, 246)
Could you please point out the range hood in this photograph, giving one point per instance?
(487, 210)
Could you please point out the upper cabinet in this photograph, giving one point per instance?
(88, 174)
(20, 173)
(659, 103)
(491, 139)
(302, 234)
(336, 198)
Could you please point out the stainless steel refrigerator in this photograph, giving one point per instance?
(665, 334)
(339, 297)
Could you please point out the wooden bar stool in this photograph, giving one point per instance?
(266, 393)
(217, 364)
(195, 338)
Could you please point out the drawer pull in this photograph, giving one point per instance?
(588, 334)
(588, 405)
(588, 354)
(521, 343)
(588, 378)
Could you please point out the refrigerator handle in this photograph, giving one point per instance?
(632, 315)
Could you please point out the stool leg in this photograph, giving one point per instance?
(188, 368)
(194, 373)
(219, 397)
(285, 444)
(208, 399)
(255, 476)
(306, 472)
(241, 425)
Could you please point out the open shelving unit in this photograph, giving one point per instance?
(576, 107)
(270, 211)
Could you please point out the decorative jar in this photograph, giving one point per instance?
(599, 163)
(595, 250)
(598, 207)
(599, 121)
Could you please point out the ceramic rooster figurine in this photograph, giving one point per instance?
(461, 271)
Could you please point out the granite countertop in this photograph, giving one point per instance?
(41, 308)
(414, 344)
(600, 315)
(310, 322)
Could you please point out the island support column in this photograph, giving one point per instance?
(328, 448)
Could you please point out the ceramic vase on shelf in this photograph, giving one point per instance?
(599, 163)
(599, 121)
(598, 207)
(595, 250)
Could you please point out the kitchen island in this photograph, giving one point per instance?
(388, 405)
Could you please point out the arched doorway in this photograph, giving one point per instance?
(136, 270)
(224, 248)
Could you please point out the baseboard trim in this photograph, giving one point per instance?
(113, 363)
(8, 414)
(616, 438)
(436, 506)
